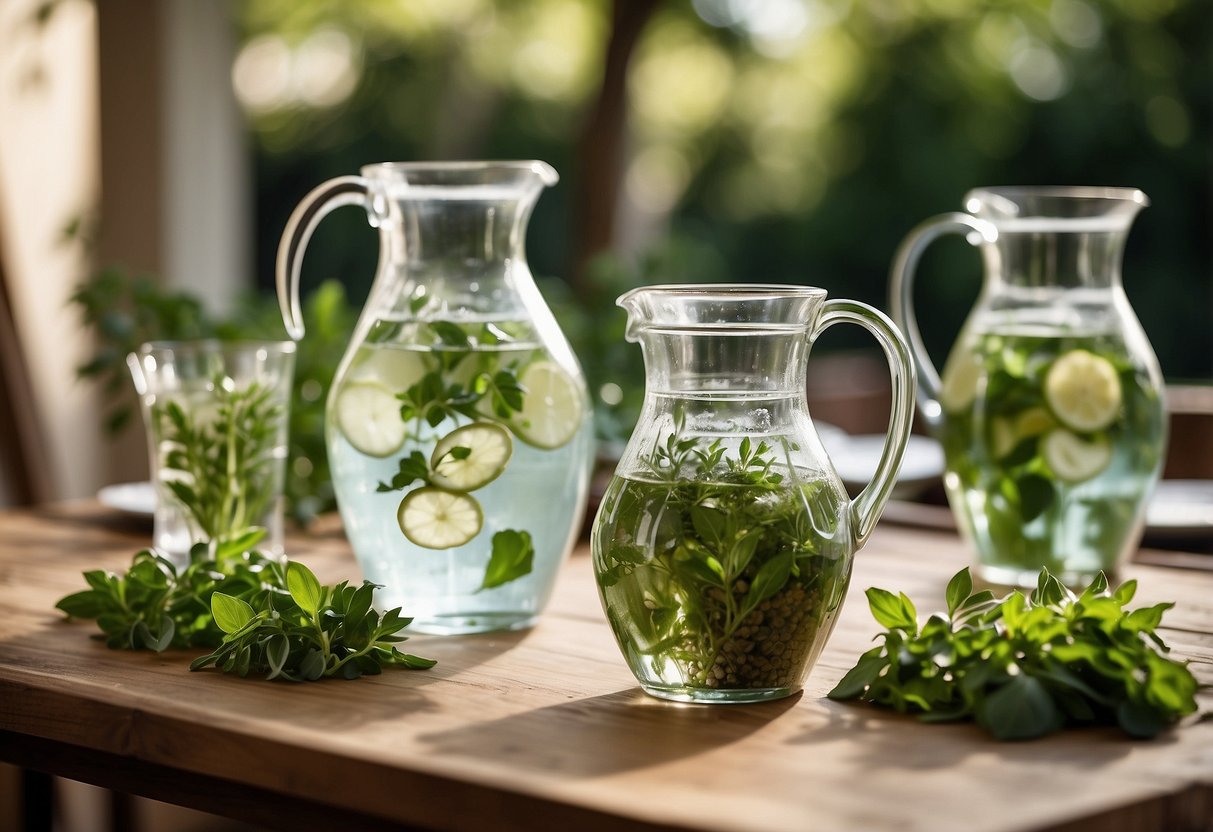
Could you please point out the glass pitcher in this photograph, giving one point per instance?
(458, 425)
(1050, 408)
(723, 545)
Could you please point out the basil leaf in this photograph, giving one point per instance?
(958, 591)
(231, 614)
(304, 588)
(892, 611)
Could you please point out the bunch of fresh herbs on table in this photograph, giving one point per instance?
(258, 614)
(1023, 667)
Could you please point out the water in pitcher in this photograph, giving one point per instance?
(1052, 435)
(459, 450)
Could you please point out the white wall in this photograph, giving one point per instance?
(176, 193)
(48, 175)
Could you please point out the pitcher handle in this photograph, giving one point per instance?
(866, 508)
(335, 193)
(901, 295)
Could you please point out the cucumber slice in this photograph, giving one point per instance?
(960, 379)
(551, 408)
(368, 416)
(439, 519)
(394, 368)
(1073, 458)
(470, 457)
(1083, 391)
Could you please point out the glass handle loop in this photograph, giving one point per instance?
(333, 194)
(866, 508)
(901, 295)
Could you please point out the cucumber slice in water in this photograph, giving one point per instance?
(1083, 391)
(394, 368)
(368, 416)
(439, 519)
(551, 408)
(470, 457)
(961, 376)
(1073, 458)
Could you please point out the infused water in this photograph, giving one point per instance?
(1053, 440)
(722, 585)
(459, 452)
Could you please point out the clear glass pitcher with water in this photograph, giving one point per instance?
(1050, 408)
(458, 425)
(723, 545)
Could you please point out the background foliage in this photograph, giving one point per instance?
(767, 140)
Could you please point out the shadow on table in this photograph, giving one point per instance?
(882, 739)
(339, 704)
(614, 732)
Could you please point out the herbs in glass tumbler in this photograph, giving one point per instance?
(1023, 667)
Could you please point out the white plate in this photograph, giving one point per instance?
(138, 498)
(855, 459)
(1181, 508)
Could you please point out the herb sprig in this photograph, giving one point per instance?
(154, 606)
(220, 470)
(308, 632)
(1023, 667)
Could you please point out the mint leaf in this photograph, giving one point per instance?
(513, 556)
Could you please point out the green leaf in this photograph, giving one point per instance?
(304, 588)
(229, 547)
(709, 524)
(892, 611)
(772, 576)
(1021, 709)
(450, 334)
(88, 603)
(360, 602)
(958, 591)
(231, 614)
(1147, 619)
(1139, 720)
(312, 667)
(277, 651)
(512, 558)
(1125, 592)
(1049, 591)
(861, 676)
(1035, 495)
(743, 551)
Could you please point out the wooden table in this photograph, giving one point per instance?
(547, 730)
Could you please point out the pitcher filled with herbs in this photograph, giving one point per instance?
(723, 545)
(458, 425)
(1050, 409)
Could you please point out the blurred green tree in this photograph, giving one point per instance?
(786, 140)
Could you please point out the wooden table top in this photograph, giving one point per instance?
(547, 729)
